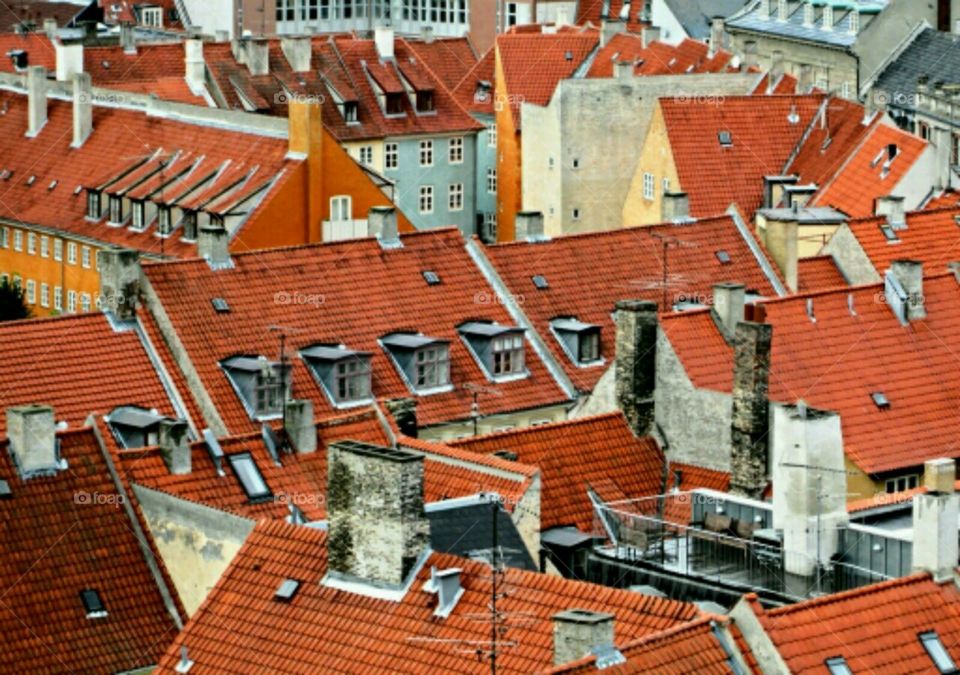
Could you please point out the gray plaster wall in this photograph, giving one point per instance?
(850, 257)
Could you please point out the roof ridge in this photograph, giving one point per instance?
(455, 452)
(839, 290)
(50, 319)
(909, 580)
(523, 431)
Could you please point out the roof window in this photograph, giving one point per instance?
(259, 384)
(343, 374)
(723, 257)
(135, 427)
(889, 234)
(540, 282)
(725, 138)
(423, 361)
(220, 305)
(431, 277)
(937, 652)
(92, 603)
(837, 665)
(286, 590)
(880, 400)
(498, 349)
(581, 341)
(250, 478)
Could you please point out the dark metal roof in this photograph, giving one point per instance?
(695, 15)
(933, 54)
(467, 530)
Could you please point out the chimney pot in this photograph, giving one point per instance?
(577, 631)
(300, 427)
(174, 446)
(528, 225)
(82, 108)
(729, 300)
(36, 99)
(69, 60)
(32, 437)
(382, 224)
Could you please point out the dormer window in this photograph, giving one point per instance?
(393, 104)
(135, 427)
(425, 101)
(94, 208)
(482, 93)
(343, 374)
(163, 220)
(498, 349)
(261, 384)
(93, 604)
(424, 361)
(116, 210)
(349, 110)
(139, 215)
(581, 341)
(190, 225)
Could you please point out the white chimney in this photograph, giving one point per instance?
(577, 631)
(674, 207)
(623, 70)
(528, 225)
(383, 38)
(729, 300)
(31, 431)
(903, 288)
(892, 207)
(257, 55)
(194, 65)
(82, 108)
(717, 31)
(212, 242)
(446, 585)
(649, 35)
(298, 51)
(382, 224)
(36, 99)
(175, 446)
(69, 60)
(50, 28)
(300, 428)
(935, 520)
(426, 33)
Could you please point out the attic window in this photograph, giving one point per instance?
(431, 277)
(837, 665)
(393, 105)
(94, 208)
(889, 234)
(135, 427)
(5, 491)
(725, 138)
(540, 282)
(286, 590)
(937, 652)
(116, 209)
(482, 93)
(139, 215)
(723, 257)
(259, 384)
(343, 374)
(220, 305)
(424, 361)
(498, 349)
(568, 56)
(349, 110)
(190, 225)
(880, 400)
(250, 478)
(425, 101)
(581, 341)
(92, 603)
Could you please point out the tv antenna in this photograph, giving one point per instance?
(667, 242)
(475, 391)
(283, 331)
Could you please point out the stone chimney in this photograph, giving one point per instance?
(194, 65)
(903, 288)
(127, 39)
(935, 520)
(675, 207)
(404, 413)
(892, 207)
(528, 225)
(378, 529)
(31, 431)
(119, 281)
(300, 427)
(212, 245)
(382, 223)
(729, 300)
(50, 28)
(36, 99)
(717, 31)
(69, 60)
(82, 109)
(175, 446)
(298, 51)
(649, 35)
(577, 631)
(383, 39)
(636, 362)
(257, 55)
(750, 416)
(801, 438)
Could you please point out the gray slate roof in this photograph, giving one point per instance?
(794, 28)
(934, 54)
(695, 15)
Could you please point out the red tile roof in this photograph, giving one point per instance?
(836, 362)
(39, 49)
(63, 534)
(949, 198)
(660, 58)
(16, 13)
(632, 269)
(678, 506)
(931, 237)
(591, 12)
(347, 632)
(448, 59)
(157, 69)
(466, 89)
(866, 174)
(819, 273)
(763, 140)
(533, 64)
(874, 628)
(355, 293)
(833, 137)
(575, 454)
(785, 84)
(78, 365)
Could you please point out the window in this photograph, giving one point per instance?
(31, 243)
(84, 302)
(31, 292)
(426, 199)
(249, 477)
(455, 197)
(725, 138)
(94, 211)
(343, 373)
(44, 295)
(854, 22)
(58, 298)
(492, 134)
(581, 341)
(938, 653)
(17, 240)
(85, 257)
(269, 398)
(116, 210)
(649, 183)
(424, 361)
(845, 90)
(152, 16)
(432, 367)
(426, 153)
(492, 181)
(394, 104)
(366, 154)
(838, 666)
(341, 208)
(489, 227)
(92, 604)
(58, 249)
(901, 483)
(71, 253)
(139, 214)
(72, 302)
(350, 109)
(391, 156)
(499, 349)
(190, 225)
(352, 380)
(425, 101)
(44, 246)
(5, 237)
(575, 214)
(261, 384)
(163, 220)
(456, 151)
(666, 185)
(508, 355)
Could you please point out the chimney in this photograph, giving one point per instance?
(383, 38)
(764, 9)
(257, 55)
(82, 109)
(127, 39)
(773, 189)
(562, 19)
(119, 281)
(212, 245)
(306, 134)
(903, 289)
(674, 207)
(717, 31)
(195, 67)
(382, 223)
(809, 14)
(750, 416)
(892, 207)
(528, 225)
(175, 446)
(36, 99)
(31, 432)
(803, 496)
(404, 413)
(607, 30)
(578, 631)
(221, 36)
(426, 33)
(69, 60)
(50, 28)
(935, 520)
(623, 70)
(728, 304)
(446, 585)
(636, 362)
(300, 428)
(298, 51)
(782, 239)
(649, 35)
(378, 530)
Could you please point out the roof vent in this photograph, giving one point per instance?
(880, 400)
(540, 282)
(52, 185)
(287, 589)
(723, 257)
(725, 138)
(31, 180)
(5, 174)
(184, 664)
(568, 56)
(220, 305)
(431, 277)
(810, 313)
(446, 584)
(93, 604)
(794, 116)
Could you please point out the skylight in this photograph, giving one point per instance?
(880, 399)
(838, 666)
(431, 277)
(725, 138)
(540, 282)
(92, 603)
(250, 478)
(220, 305)
(723, 257)
(937, 652)
(5, 491)
(889, 234)
(287, 589)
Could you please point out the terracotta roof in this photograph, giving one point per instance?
(39, 49)
(845, 624)
(533, 64)
(832, 138)
(17, 12)
(632, 269)
(575, 454)
(763, 138)
(867, 173)
(592, 12)
(466, 89)
(659, 58)
(78, 365)
(350, 292)
(785, 84)
(120, 138)
(678, 506)
(347, 632)
(836, 363)
(819, 273)
(931, 237)
(154, 69)
(448, 59)
(63, 534)
(948, 198)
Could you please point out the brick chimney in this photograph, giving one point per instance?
(378, 528)
(82, 109)
(119, 281)
(31, 432)
(636, 362)
(300, 428)
(528, 225)
(729, 300)
(306, 137)
(935, 520)
(750, 416)
(577, 631)
(69, 60)
(36, 99)
(298, 51)
(257, 55)
(175, 446)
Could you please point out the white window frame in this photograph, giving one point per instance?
(649, 185)
(58, 249)
(340, 205)
(491, 181)
(391, 156)
(31, 292)
(455, 197)
(44, 246)
(72, 302)
(58, 298)
(44, 295)
(71, 253)
(455, 150)
(426, 152)
(425, 202)
(901, 483)
(31, 243)
(85, 257)
(18, 240)
(492, 135)
(84, 302)
(5, 237)
(366, 154)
